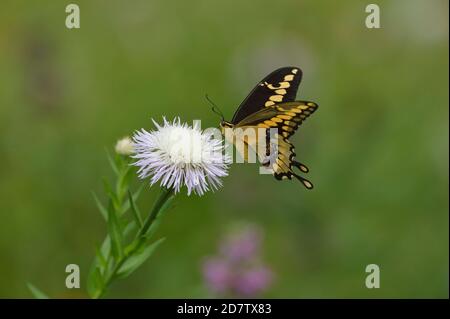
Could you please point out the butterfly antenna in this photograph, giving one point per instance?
(214, 107)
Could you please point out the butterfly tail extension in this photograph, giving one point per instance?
(301, 166)
(304, 181)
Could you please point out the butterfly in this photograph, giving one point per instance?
(272, 105)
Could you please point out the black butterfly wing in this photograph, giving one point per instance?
(279, 86)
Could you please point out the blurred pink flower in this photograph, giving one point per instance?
(253, 281)
(242, 245)
(237, 270)
(217, 274)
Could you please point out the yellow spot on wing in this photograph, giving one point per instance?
(303, 168)
(289, 77)
(284, 117)
(287, 128)
(307, 183)
(281, 85)
(281, 91)
(276, 98)
(276, 119)
(291, 123)
(294, 71)
(269, 103)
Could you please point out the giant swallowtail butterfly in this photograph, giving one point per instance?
(272, 104)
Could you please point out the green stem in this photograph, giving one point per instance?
(164, 196)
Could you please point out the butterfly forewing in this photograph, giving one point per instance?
(279, 86)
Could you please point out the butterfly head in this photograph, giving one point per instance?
(224, 124)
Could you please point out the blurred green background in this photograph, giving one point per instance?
(377, 147)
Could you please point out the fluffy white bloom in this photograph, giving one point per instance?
(177, 154)
(124, 146)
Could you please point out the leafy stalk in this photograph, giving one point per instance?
(115, 258)
(38, 294)
(164, 197)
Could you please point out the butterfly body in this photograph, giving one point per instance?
(271, 107)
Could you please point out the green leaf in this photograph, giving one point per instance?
(129, 228)
(128, 231)
(100, 206)
(135, 211)
(126, 204)
(101, 258)
(124, 180)
(100, 265)
(114, 232)
(109, 191)
(154, 226)
(38, 294)
(95, 282)
(112, 162)
(137, 259)
(105, 248)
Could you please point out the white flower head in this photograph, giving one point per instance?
(124, 146)
(177, 154)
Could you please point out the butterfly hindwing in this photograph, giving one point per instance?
(285, 162)
(279, 86)
(286, 117)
